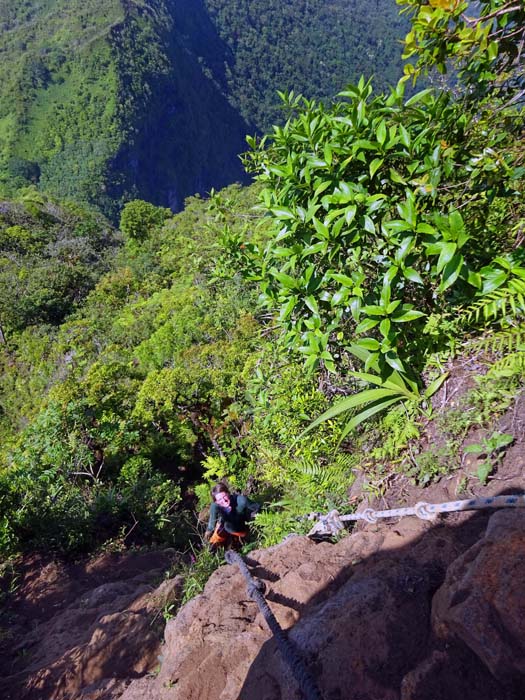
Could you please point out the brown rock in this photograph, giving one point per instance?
(372, 623)
(482, 601)
(83, 632)
(454, 672)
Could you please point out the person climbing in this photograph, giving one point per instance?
(229, 513)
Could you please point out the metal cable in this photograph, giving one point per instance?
(332, 523)
(255, 588)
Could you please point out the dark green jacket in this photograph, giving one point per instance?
(242, 509)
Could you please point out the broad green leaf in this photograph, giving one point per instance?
(492, 280)
(404, 249)
(451, 272)
(355, 309)
(404, 136)
(375, 202)
(368, 224)
(342, 279)
(319, 247)
(418, 97)
(282, 213)
(403, 384)
(361, 399)
(393, 306)
(426, 228)
(396, 177)
(367, 377)
(321, 188)
(337, 227)
(385, 293)
(286, 280)
(340, 296)
(285, 231)
(363, 143)
(368, 413)
(282, 252)
(456, 225)
(384, 327)
(446, 255)
(321, 229)
(396, 226)
(393, 360)
(366, 325)
(407, 316)
(369, 344)
(484, 470)
(372, 361)
(381, 132)
(390, 274)
(412, 275)
(374, 310)
(375, 165)
(407, 211)
(361, 111)
(287, 309)
(474, 278)
(358, 352)
(435, 385)
(350, 213)
(311, 303)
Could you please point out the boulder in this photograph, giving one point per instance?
(482, 601)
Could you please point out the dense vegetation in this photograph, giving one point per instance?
(313, 47)
(383, 235)
(104, 102)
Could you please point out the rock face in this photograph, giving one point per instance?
(85, 631)
(400, 611)
(412, 612)
(482, 601)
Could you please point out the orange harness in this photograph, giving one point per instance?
(221, 537)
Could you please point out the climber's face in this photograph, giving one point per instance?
(222, 500)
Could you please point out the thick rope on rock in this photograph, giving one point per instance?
(332, 523)
(255, 588)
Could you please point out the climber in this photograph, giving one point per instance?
(229, 514)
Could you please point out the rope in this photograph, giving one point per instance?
(332, 523)
(255, 588)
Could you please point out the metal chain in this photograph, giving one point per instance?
(332, 523)
(255, 588)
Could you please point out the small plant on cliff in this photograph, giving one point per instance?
(203, 564)
(492, 449)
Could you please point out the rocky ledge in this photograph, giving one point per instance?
(413, 610)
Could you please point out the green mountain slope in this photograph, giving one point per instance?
(314, 47)
(104, 102)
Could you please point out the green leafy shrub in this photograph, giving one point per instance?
(492, 449)
(368, 241)
(139, 217)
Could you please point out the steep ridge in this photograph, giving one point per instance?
(184, 136)
(401, 610)
(112, 103)
(105, 102)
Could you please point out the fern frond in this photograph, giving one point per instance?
(503, 304)
(509, 365)
(509, 340)
(324, 477)
(346, 461)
